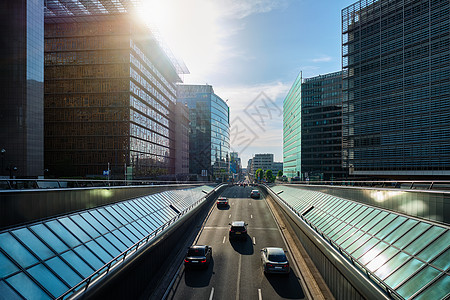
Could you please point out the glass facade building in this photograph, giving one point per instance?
(292, 130)
(396, 88)
(209, 139)
(321, 116)
(21, 86)
(110, 98)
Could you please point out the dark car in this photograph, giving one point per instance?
(274, 260)
(198, 256)
(238, 230)
(222, 202)
(255, 194)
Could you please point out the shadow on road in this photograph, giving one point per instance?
(286, 286)
(199, 277)
(244, 247)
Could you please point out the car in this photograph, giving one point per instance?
(198, 256)
(222, 202)
(274, 260)
(255, 194)
(238, 230)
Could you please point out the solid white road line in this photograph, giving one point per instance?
(254, 241)
(238, 277)
(259, 294)
(251, 216)
(229, 216)
(224, 239)
(212, 294)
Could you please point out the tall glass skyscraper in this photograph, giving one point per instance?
(209, 140)
(396, 88)
(292, 130)
(321, 99)
(21, 86)
(110, 95)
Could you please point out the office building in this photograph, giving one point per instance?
(249, 167)
(262, 161)
(292, 130)
(321, 123)
(209, 140)
(235, 166)
(110, 95)
(276, 167)
(21, 86)
(396, 88)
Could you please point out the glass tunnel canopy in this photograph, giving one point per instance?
(45, 259)
(410, 256)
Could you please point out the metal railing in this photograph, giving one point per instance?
(398, 184)
(21, 184)
(116, 261)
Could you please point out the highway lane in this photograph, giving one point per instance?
(235, 271)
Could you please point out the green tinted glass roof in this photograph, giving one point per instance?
(45, 259)
(409, 255)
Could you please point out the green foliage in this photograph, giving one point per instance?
(280, 173)
(259, 174)
(269, 176)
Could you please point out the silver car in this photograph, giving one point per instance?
(274, 260)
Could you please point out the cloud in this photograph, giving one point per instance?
(241, 9)
(322, 59)
(256, 117)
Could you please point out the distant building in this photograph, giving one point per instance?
(321, 133)
(262, 161)
(292, 130)
(110, 97)
(249, 168)
(235, 165)
(22, 88)
(276, 167)
(209, 144)
(396, 89)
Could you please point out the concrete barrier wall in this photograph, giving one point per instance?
(24, 206)
(428, 205)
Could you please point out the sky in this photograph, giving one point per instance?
(251, 51)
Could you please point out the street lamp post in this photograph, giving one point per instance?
(11, 169)
(3, 151)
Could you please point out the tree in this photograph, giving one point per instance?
(259, 174)
(280, 174)
(269, 176)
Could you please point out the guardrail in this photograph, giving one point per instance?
(21, 184)
(389, 291)
(400, 184)
(82, 286)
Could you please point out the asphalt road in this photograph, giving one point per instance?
(235, 271)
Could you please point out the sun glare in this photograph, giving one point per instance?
(189, 28)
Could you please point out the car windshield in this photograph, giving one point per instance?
(277, 257)
(238, 228)
(196, 252)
